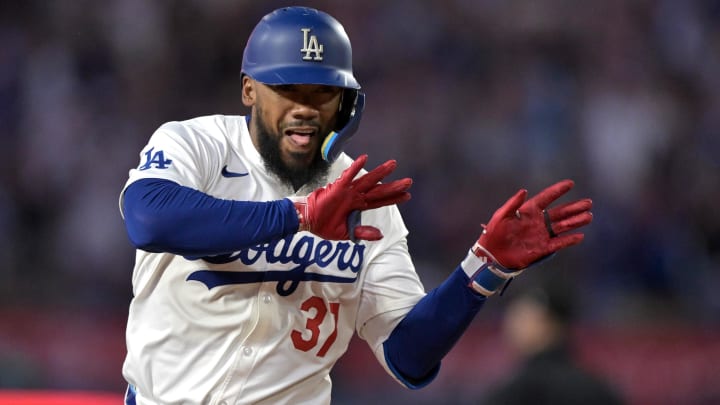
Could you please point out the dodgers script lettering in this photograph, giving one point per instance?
(313, 260)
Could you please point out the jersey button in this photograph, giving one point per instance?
(247, 351)
(266, 298)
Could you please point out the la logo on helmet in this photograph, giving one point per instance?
(311, 45)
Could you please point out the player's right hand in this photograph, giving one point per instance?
(330, 212)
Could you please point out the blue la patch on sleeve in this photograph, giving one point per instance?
(155, 159)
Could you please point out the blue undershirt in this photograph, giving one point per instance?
(428, 332)
(163, 216)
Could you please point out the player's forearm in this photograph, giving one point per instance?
(163, 216)
(428, 332)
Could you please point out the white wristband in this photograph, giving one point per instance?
(485, 274)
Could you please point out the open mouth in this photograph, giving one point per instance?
(301, 136)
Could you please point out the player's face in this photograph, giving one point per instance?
(291, 122)
(298, 115)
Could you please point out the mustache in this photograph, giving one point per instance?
(301, 123)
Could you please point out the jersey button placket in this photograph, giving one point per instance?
(252, 346)
(245, 354)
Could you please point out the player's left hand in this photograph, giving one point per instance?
(522, 231)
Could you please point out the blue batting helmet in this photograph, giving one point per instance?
(301, 45)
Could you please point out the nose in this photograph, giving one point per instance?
(304, 109)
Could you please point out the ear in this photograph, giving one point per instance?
(248, 91)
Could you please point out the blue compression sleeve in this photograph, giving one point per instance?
(163, 216)
(428, 332)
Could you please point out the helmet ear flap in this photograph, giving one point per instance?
(348, 99)
(351, 112)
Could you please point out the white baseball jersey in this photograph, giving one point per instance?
(263, 325)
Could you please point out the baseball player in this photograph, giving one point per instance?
(262, 247)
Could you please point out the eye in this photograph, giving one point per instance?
(283, 88)
(327, 90)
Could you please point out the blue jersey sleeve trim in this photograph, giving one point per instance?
(130, 395)
(163, 216)
(420, 341)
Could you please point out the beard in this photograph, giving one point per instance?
(313, 175)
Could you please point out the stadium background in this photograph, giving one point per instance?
(475, 99)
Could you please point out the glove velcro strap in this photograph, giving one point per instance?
(485, 274)
(301, 208)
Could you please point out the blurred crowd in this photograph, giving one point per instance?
(474, 98)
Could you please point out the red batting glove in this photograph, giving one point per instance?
(522, 232)
(518, 234)
(330, 211)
